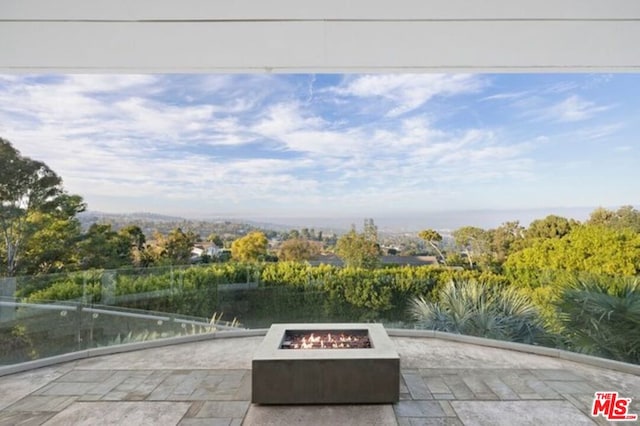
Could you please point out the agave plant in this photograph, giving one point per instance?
(602, 318)
(476, 309)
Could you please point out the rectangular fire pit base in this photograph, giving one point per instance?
(326, 376)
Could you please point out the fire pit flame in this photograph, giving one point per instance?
(326, 340)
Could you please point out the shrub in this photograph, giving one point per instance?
(477, 309)
(602, 318)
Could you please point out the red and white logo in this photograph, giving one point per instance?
(612, 407)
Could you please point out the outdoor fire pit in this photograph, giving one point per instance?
(325, 364)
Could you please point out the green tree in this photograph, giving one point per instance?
(176, 247)
(360, 250)
(551, 226)
(626, 217)
(297, 250)
(593, 249)
(26, 187)
(250, 248)
(134, 235)
(51, 245)
(433, 238)
(102, 247)
(215, 239)
(505, 239)
(473, 241)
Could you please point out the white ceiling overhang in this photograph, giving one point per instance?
(319, 36)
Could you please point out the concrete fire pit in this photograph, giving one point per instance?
(335, 375)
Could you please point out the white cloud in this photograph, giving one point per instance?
(574, 108)
(193, 142)
(409, 91)
(505, 96)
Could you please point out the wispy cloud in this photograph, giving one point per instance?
(291, 144)
(574, 108)
(406, 92)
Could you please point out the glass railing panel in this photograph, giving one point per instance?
(99, 308)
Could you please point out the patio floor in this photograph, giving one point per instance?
(209, 383)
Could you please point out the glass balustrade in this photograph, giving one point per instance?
(44, 316)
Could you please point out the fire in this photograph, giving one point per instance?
(322, 340)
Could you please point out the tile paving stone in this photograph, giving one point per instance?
(16, 386)
(210, 392)
(151, 382)
(516, 383)
(205, 422)
(120, 413)
(24, 418)
(457, 386)
(542, 389)
(570, 387)
(67, 388)
(93, 376)
(436, 385)
(430, 421)
(87, 398)
(189, 383)
(193, 409)
(417, 387)
(133, 379)
(243, 391)
(509, 413)
(42, 403)
(115, 396)
(109, 384)
(166, 387)
(447, 408)
(479, 388)
(403, 385)
(443, 396)
(499, 388)
(224, 409)
(530, 396)
(418, 409)
(583, 403)
(556, 374)
(317, 415)
(135, 396)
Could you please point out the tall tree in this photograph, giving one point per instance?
(102, 247)
(215, 239)
(433, 238)
(626, 217)
(250, 248)
(473, 241)
(26, 187)
(551, 226)
(360, 249)
(51, 243)
(587, 248)
(177, 245)
(298, 249)
(505, 239)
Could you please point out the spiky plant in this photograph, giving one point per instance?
(602, 318)
(476, 309)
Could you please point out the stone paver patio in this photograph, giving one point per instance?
(209, 383)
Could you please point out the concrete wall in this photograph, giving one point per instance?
(321, 36)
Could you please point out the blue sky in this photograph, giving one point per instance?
(277, 146)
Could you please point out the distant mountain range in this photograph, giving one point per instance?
(443, 221)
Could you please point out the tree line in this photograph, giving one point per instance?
(41, 233)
